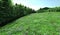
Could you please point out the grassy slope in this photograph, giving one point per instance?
(38, 23)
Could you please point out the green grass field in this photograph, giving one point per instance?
(34, 24)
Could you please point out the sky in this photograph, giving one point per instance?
(36, 4)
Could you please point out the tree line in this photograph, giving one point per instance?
(10, 12)
(47, 9)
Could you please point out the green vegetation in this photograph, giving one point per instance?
(47, 9)
(21, 20)
(56, 9)
(10, 12)
(41, 10)
(47, 23)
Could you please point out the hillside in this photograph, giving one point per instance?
(34, 24)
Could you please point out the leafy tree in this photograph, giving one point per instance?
(4, 11)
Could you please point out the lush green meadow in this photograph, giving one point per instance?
(34, 24)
